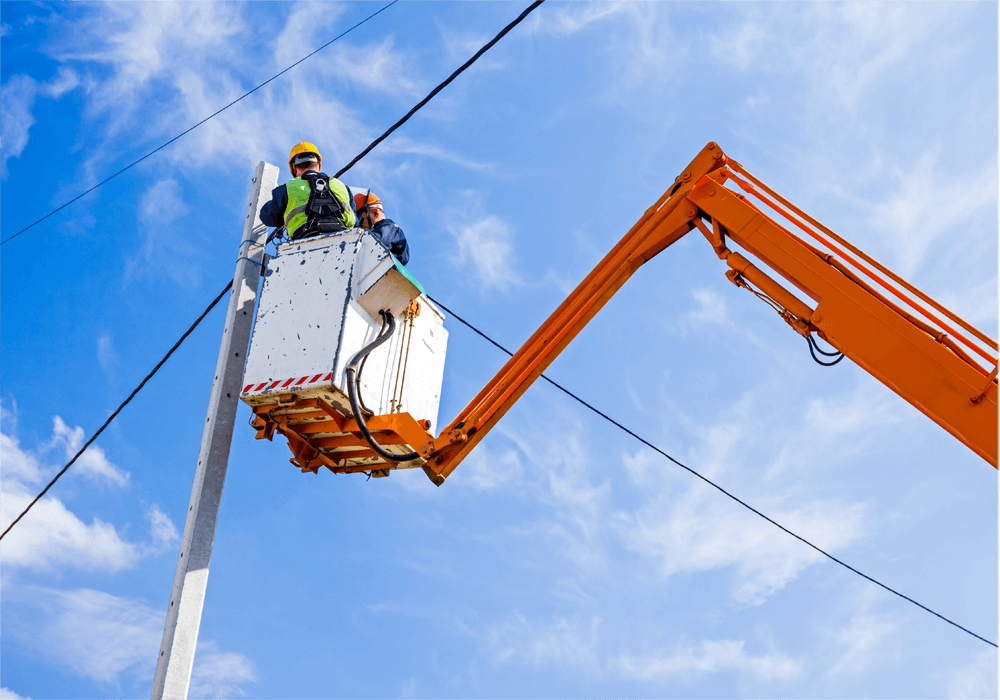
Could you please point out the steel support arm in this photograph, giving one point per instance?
(914, 358)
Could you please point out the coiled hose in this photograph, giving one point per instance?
(352, 390)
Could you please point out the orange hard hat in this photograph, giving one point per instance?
(361, 200)
(300, 148)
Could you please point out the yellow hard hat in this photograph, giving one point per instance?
(299, 149)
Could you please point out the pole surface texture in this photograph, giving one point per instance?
(180, 633)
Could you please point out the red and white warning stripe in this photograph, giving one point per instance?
(284, 383)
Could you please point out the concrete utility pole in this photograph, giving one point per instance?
(180, 633)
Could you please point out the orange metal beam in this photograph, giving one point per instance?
(938, 380)
(925, 367)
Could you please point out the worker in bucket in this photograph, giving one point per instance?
(371, 216)
(312, 203)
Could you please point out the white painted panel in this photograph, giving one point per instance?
(319, 306)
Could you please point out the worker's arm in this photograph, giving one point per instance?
(273, 212)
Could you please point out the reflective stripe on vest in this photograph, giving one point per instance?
(298, 197)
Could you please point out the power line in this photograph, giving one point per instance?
(708, 481)
(440, 87)
(124, 403)
(160, 148)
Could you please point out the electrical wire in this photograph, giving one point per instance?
(440, 87)
(710, 482)
(160, 148)
(124, 403)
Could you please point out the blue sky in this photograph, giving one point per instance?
(562, 558)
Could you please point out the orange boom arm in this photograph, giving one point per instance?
(932, 358)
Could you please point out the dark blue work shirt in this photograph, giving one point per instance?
(394, 239)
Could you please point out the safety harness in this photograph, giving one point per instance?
(323, 210)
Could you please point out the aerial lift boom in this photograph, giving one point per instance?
(924, 354)
(938, 362)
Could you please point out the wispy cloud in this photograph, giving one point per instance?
(977, 679)
(484, 469)
(91, 633)
(220, 674)
(483, 253)
(163, 530)
(16, 101)
(110, 639)
(565, 641)
(165, 249)
(571, 18)
(708, 657)
(699, 531)
(926, 206)
(864, 642)
(106, 355)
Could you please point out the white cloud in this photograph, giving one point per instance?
(193, 52)
(977, 679)
(684, 526)
(710, 656)
(844, 425)
(305, 30)
(51, 537)
(710, 309)
(565, 641)
(164, 532)
(106, 355)
(93, 463)
(483, 470)
(7, 693)
(483, 251)
(865, 645)
(572, 18)
(700, 530)
(402, 144)
(976, 303)
(218, 673)
(145, 43)
(16, 100)
(165, 248)
(90, 633)
(928, 205)
(377, 68)
(104, 637)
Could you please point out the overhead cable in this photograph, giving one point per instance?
(160, 148)
(710, 482)
(486, 47)
(124, 403)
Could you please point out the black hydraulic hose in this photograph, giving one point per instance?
(813, 349)
(361, 399)
(352, 393)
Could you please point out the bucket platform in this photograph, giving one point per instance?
(319, 306)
